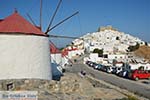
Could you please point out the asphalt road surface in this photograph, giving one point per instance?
(130, 85)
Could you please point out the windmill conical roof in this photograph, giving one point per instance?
(15, 23)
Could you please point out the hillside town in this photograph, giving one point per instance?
(107, 64)
(114, 45)
(107, 50)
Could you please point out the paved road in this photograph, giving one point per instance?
(130, 85)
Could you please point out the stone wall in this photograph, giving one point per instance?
(70, 87)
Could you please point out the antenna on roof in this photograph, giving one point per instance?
(51, 21)
(31, 19)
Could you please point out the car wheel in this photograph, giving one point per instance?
(136, 78)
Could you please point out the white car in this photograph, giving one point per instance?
(118, 70)
(109, 69)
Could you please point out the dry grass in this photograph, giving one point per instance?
(143, 51)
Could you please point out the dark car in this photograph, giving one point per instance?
(98, 66)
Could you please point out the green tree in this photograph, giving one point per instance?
(133, 48)
(95, 50)
(146, 43)
(61, 48)
(99, 51)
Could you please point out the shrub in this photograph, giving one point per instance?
(99, 51)
(146, 43)
(133, 48)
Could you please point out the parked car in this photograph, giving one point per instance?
(103, 68)
(116, 70)
(89, 63)
(107, 69)
(140, 74)
(93, 65)
(124, 73)
(98, 66)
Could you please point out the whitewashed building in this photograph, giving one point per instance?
(108, 40)
(24, 50)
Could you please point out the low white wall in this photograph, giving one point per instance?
(93, 57)
(24, 56)
(134, 66)
(56, 64)
(117, 56)
(119, 64)
(71, 54)
(74, 53)
(56, 58)
(145, 65)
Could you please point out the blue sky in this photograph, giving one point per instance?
(129, 16)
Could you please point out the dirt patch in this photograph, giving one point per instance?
(144, 52)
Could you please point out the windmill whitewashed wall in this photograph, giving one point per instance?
(24, 50)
